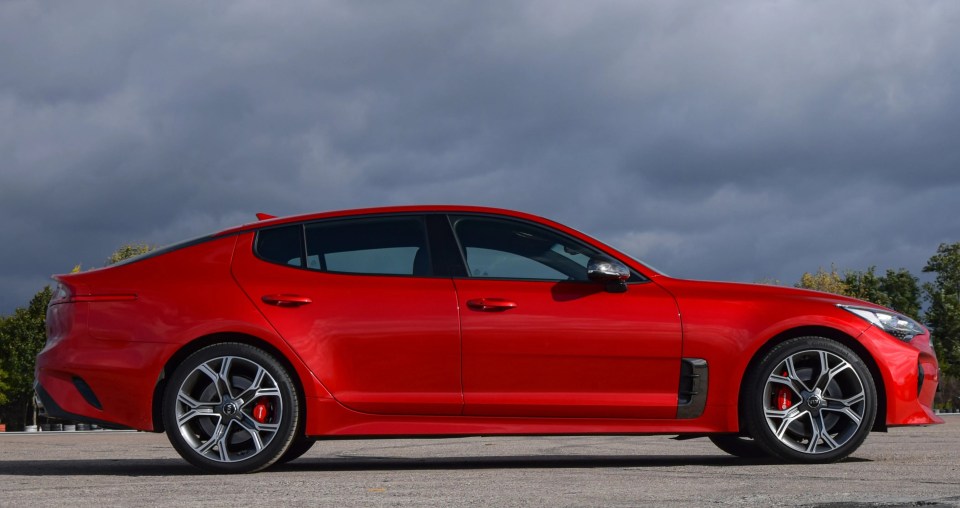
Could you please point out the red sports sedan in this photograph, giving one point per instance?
(248, 345)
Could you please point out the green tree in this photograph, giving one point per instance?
(903, 289)
(22, 335)
(897, 289)
(769, 281)
(829, 282)
(128, 251)
(4, 387)
(866, 286)
(943, 314)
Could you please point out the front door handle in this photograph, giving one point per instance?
(286, 300)
(491, 304)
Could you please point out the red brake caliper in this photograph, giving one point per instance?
(784, 397)
(261, 411)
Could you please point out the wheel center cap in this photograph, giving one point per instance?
(815, 400)
(229, 409)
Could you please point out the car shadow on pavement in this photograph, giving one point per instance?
(96, 467)
(523, 462)
(176, 467)
(514, 462)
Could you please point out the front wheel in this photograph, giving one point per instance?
(231, 408)
(810, 400)
(739, 446)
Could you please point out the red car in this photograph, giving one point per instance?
(247, 345)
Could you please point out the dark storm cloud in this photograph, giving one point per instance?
(733, 140)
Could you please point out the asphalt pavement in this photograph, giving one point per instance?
(917, 466)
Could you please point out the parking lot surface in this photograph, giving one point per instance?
(905, 467)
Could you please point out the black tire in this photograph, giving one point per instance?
(810, 400)
(300, 445)
(231, 408)
(739, 446)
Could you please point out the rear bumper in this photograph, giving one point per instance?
(110, 383)
(54, 410)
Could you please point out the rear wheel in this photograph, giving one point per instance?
(810, 400)
(299, 446)
(231, 408)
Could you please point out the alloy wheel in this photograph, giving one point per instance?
(814, 401)
(228, 409)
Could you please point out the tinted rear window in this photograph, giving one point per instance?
(382, 245)
(281, 245)
(375, 246)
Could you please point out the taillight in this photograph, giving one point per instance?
(66, 294)
(62, 294)
(59, 317)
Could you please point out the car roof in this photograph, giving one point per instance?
(426, 209)
(384, 210)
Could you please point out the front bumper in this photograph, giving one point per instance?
(910, 375)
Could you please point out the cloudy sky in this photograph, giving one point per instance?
(735, 140)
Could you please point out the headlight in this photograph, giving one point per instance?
(898, 325)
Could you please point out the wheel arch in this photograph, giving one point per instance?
(218, 338)
(827, 333)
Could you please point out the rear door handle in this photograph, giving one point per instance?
(286, 300)
(491, 304)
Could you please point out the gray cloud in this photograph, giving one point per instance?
(735, 140)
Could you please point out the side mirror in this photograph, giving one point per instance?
(613, 274)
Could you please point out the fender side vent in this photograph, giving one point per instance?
(692, 395)
(920, 375)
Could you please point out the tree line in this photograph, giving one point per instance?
(936, 304)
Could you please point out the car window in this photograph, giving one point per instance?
(508, 249)
(382, 246)
(281, 245)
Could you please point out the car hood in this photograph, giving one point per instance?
(732, 291)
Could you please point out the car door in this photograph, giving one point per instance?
(540, 339)
(357, 300)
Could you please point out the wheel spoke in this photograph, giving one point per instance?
(222, 441)
(196, 409)
(835, 404)
(257, 430)
(216, 380)
(205, 447)
(257, 388)
(796, 383)
(822, 378)
(254, 434)
(845, 407)
(251, 392)
(819, 434)
(787, 417)
(827, 374)
(786, 381)
(255, 426)
(224, 375)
